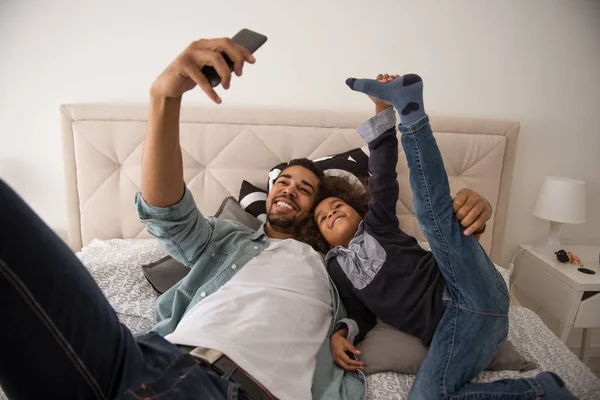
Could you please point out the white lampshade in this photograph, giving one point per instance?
(561, 200)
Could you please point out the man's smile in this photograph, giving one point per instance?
(284, 205)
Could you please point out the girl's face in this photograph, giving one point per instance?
(337, 221)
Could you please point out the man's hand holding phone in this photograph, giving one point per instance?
(185, 72)
(204, 63)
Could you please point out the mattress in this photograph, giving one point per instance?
(116, 266)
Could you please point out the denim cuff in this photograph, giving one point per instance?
(352, 328)
(380, 123)
(171, 213)
(415, 126)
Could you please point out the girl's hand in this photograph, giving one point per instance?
(339, 346)
(381, 105)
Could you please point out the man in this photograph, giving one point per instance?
(256, 308)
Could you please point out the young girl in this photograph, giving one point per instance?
(452, 298)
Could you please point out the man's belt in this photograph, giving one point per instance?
(226, 368)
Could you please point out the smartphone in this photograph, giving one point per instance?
(246, 38)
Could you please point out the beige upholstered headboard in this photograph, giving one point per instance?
(221, 147)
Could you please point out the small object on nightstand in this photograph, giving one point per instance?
(562, 256)
(586, 271)
(574, 258)
(561, 201)
(567, 256)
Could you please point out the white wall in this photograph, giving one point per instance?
(536, 61)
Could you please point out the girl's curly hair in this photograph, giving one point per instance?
(357, 197)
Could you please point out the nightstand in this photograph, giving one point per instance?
(563, 297)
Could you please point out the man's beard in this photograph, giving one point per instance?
(281, 223)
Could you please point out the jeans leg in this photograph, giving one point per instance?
(454, 358)
(60, 339)
(172, 374)
(471, 278)
(474, 288)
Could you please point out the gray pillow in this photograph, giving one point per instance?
(387, 349)
(167, 271)
(230, 209)
(164, 273)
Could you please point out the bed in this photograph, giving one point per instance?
(222, 147)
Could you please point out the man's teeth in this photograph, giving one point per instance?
(283, 204)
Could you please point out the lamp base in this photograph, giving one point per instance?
(553, 242)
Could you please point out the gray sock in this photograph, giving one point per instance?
(404, 93)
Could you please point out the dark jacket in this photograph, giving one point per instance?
(384, 273)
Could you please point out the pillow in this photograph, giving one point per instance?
(232, 210)
(164, 273)
(387, 349)
(253, 200)
(167, 271)
(352, 165)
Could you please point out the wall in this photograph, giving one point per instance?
(535, 61)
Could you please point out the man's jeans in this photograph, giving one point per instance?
(474, 322)
(61, 339)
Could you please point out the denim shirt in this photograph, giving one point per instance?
(215, 250)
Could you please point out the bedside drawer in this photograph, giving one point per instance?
(588, 315)
(534, 286)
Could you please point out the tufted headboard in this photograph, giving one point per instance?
(221, 147)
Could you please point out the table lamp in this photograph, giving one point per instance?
(561, 201)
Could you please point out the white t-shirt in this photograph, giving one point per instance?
(271, 318)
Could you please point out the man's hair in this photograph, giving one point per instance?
(332, 186)
(309, 165)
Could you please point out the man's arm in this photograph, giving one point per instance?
(472, 211)
(168, 209)
(162, 166)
